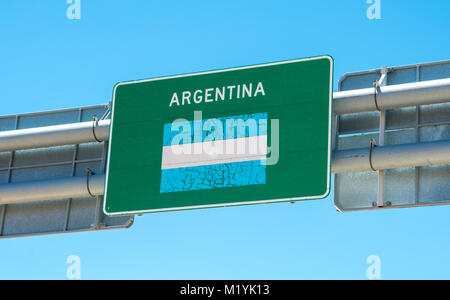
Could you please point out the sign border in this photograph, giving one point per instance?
(330, 113)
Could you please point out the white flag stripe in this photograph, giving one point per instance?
(214, 152)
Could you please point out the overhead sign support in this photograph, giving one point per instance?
(412, 157)
(44, 156)
(43, 162)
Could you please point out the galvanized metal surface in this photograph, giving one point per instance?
(403, 187)
(346, 102)
(390, 97)
(53, 189)
(53, 163)
(391, 157)
(56, 135)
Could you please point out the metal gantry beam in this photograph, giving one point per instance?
(388, 97)
(356, 160)
(30, 177)
(54, 189)
(384, 157)
(391, 157)
(57, 135)
(411, 130)
(392, 96)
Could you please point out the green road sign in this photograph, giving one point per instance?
(248, 135)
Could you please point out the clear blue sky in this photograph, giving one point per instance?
(49, 62)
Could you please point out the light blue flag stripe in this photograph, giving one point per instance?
(213, 176)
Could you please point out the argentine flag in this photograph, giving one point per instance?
(214, 153)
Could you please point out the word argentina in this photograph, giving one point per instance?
(214, 94)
